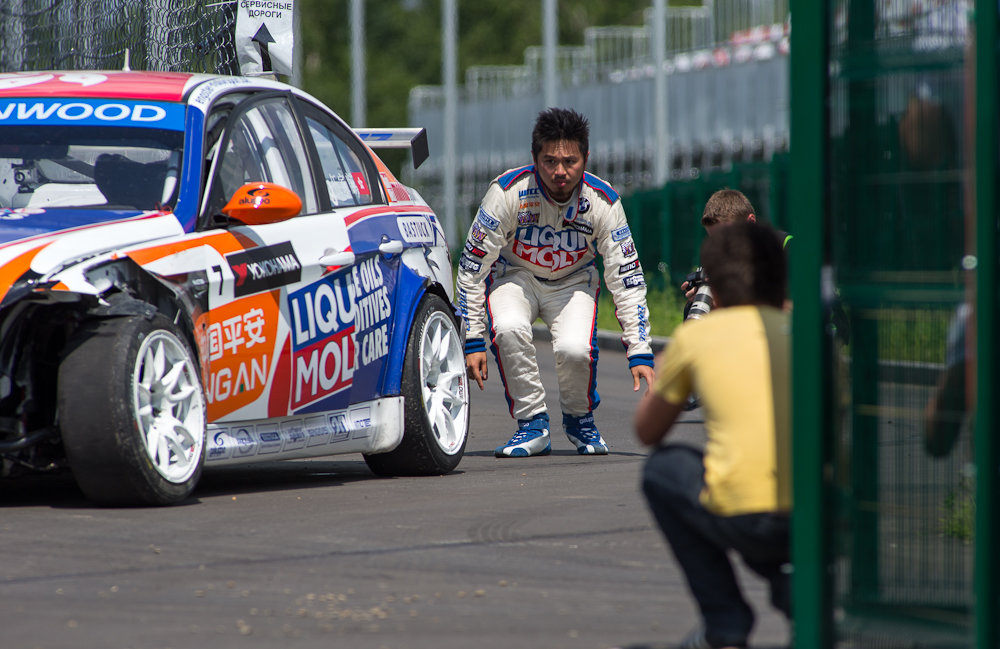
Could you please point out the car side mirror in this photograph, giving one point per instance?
(261, 203)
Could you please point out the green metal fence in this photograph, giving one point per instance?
(890, 191)
(892, 174)
(667, 221)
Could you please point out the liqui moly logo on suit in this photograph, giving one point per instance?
(550, 248)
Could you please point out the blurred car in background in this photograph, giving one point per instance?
(199, 270)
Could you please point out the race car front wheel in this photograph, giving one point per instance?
(132, 412)
(435, 397)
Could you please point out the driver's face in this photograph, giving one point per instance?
(560, 165)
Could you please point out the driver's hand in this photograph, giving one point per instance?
(475, 366)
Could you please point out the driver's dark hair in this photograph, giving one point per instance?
(557, 124)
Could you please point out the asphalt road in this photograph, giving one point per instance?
(535, 553)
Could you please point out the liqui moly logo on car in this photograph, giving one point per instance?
(323, 340)
(91, 112)
(550, 248)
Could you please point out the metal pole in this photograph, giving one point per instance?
(358, 89)
(549, 41)
(449, 34)
(296, 76)
(987, 527)
(811, 415)
(660, 155)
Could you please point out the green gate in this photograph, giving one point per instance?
(892, 201)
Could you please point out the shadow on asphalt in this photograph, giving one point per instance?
(555, 453)
(286, 475)
(59, 491)
(660, 645)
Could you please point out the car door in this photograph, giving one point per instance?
(355, 193)
(279, 330)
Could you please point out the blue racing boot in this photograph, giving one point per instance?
(582, 432)
(531, 438)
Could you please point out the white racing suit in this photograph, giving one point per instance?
(527, 257)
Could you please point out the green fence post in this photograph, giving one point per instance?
(807, 211)
(987, 565)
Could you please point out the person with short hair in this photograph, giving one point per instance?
(736, 494)
(727, 206)
(531, 253)
(724, 207)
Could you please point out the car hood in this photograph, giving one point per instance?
(37, 244)
(22, 223)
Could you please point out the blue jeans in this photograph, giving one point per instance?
(672, 480)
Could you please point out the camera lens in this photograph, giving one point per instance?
(701, 304)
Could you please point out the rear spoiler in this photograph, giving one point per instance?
(414, 139)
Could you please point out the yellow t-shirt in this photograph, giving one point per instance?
(736, 360)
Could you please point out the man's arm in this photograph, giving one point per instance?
(486, 238)
(654, 418)
(625, 280)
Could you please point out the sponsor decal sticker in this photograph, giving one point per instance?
(527, 217)
(549, 248)
(339, 427)
(264, 268)
(373, 310)
(530, 191)
(361, 183)
(477, 233)
(469, 264)
(463, 307)
(237, 339)
(293, 434)
(397, 192)
(361, 418)
(268, 439)
(221, 446)
(316, 431)
(474, 251)
(18, 213)
(246, 445)
(583, 205)
(582, 227)
(621, 233)
(628, 268)
(415, 229)
(91, 112)
(323, 346)
(628, 248)
(633, 281)
(488, 221)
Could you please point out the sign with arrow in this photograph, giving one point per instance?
(265, 36)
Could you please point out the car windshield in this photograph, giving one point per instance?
(104, 167)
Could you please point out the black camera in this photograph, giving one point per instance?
(696, 278)
(702, 302)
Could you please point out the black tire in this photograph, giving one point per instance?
(435, 397)
(132, 412)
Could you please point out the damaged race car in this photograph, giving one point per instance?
(200, 270)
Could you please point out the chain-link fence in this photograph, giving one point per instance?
(188, 35)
